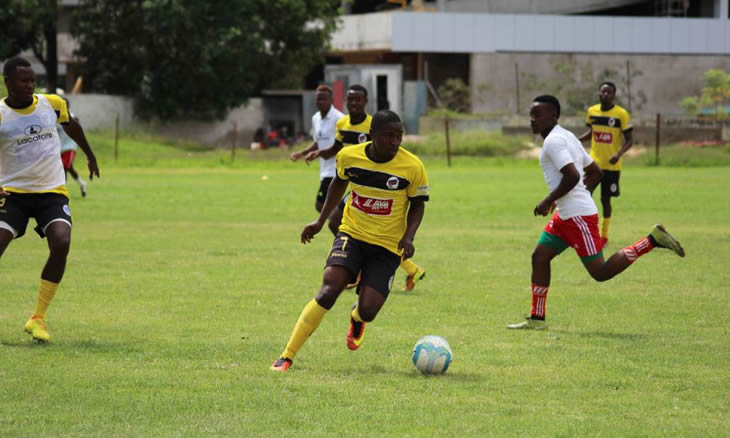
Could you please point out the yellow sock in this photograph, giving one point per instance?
(307, 323)
(604, 227)
(409, 266)
(45, 295)
(355, 315)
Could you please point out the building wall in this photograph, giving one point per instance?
(665, 79)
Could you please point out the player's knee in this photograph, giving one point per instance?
(328, 295)
(539, 259)
(60, 244)
(366, 314)
(600, 275)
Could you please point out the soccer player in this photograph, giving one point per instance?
(32, 181)
(568, 170)
(610, 126)
(324, 130)
(389, 188)
(68, 152)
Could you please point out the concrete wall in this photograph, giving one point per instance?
(97, 112)
(666, 79)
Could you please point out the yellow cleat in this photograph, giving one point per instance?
(38, 329)
(411, 280)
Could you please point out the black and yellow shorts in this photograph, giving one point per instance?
(609, 184)
(376, 264)
(323, 186)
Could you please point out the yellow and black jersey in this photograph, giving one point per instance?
(380, 194)
(608, 128)
(349, 134)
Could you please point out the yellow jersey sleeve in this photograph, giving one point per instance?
(418, 189)
(340, 123)
(625, 121)
(59, 105)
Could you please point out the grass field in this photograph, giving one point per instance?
(184, 283)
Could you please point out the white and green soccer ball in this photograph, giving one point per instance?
(432, 355)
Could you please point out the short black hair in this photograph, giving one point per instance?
(552, 100)
(359, 88)
(609, 83)
(12, 64)
(382, 118)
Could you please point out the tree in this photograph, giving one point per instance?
(456, 95)
(714, 100)
(199, 58)
(31, 24)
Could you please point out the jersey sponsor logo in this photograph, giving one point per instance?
(362, 138)
(33, 130)
(603, 137)
(372, 206)
(611, 122)
(392, 183)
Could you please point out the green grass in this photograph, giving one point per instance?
(679, 155)
(183, 285)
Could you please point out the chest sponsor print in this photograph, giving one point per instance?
(603, 137)
(372, 206)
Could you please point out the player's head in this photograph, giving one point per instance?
(544, 114)
(323, 98)
(606, 93)
(386, 130)
(19, 79)
(357, 98)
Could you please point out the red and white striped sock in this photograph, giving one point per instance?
(539, 295)
(638, 249)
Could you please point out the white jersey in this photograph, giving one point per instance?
(562, 147)
(30, 148)
(323, 132)
(67, 143)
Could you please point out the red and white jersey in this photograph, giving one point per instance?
(562, 147)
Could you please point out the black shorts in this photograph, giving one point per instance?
(323, 186)
(609, 184)
(16, 209)
(376, 264)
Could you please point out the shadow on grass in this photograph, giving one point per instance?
(414, 374)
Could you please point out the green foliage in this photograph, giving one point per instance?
(714, 100)
(455, 95)
(193, 58)
(30, 24)
(576, 85)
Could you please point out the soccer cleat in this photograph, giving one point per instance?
(529, 324)
(411, 280)
(281, 365)
(665, 240)
(82, 183)
(355, 334)
(356, 283)
(37, 328)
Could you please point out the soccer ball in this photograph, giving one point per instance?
(432, 355)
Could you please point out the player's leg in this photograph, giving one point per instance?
(609, 189)
(54, 223)
(6, 236)
(602, 270)
(551, 243)
(414, 273)
(378, 272)
(343, 261)
(322, 194)
(13, 219)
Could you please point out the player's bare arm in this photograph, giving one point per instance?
(413, 221)
(628, 142)
(586, 135)
(325, 153)
(303, 153)
(592, 175)
(569, 180)
(76, 132)
(335, 191)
